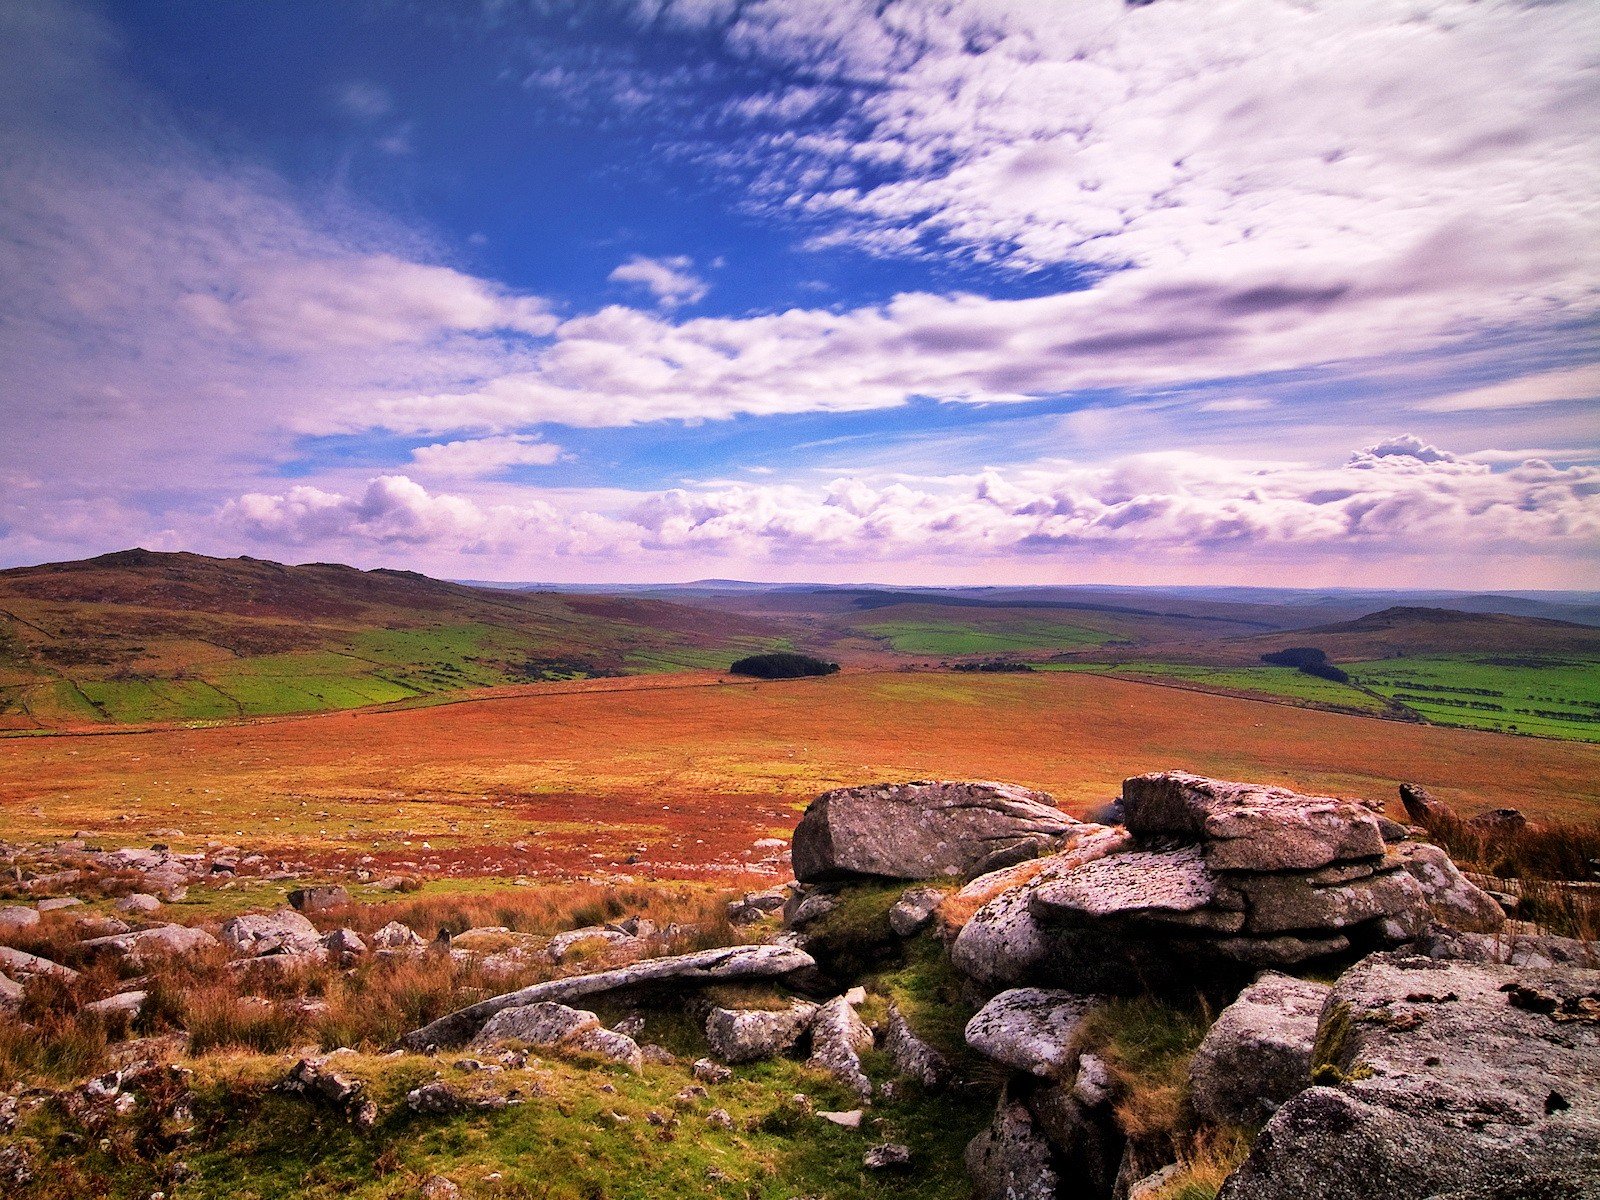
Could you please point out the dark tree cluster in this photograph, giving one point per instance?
(1308, 660)
(782, 665)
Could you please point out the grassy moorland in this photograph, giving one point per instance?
(682, 774)
(140, 637)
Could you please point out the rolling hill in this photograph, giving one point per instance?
(139, 636)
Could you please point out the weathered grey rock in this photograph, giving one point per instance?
(752, 906)
(844, 1120)
(11, 994)
(595, 937)
(1293, 903)
(803, 908)
(923, 830)
(1150, 1186)
(1514, 949)
(438, 1187)
(344, 942)
(1285, 950)
(1258, 1053)
(1093, 1085)
(22, 966)
(838, 1039)
(707, 1071)
(157, 941)
(1463, 1080)
(1011, 1160)
(887, 1157)
(677, 971)
(913, 1057)
(1168, 887)
(437, 1099)
(746, 1035)
(1086, 1142)
(125, 1006)
(318, 899)
(543, 1024)
(281, 932)
(100, 927)
(137, 902)
(395, 936)
(53, 903)
(15, 916)
(1250, 827)
(1003, 943)
(1451, 897)
(608, 1043)
(914, 909)
(1030, 1029)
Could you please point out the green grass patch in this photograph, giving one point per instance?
(1277, 683)
(956, 636)
(1546, 695)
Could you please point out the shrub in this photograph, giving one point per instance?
(782, 665)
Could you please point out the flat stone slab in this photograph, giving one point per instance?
(1030, 1029)
(1248, 826)
(1130, 884)
(679, 970)
(927, 829)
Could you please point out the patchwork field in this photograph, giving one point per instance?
(680, 776)
(1551, 697)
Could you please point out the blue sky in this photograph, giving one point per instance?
(1197, 291)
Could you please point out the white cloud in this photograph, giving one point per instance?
(671, 280)
(1545, 387)
(364, 100)
(1401, 496)
(484, 456)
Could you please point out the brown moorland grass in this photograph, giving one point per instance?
(686, 778)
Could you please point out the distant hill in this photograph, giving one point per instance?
(1407, 631)
(142, 635)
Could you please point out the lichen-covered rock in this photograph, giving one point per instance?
(142, 944)
(746, 1035)
(914, 909)
(318, 899)
(1011, 1159)
(1293, 903)
(395, 936)
(1030, 1029)
(1171, 887)
(1451, 897)
(1258, 1053)
(1250, 827)
(923, 830)
(1468, 1080)
(16, 916)
(281, 932)
(556, 1025)
(838, 1040)
(913, 1057)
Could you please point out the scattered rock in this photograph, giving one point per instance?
(845, 1120)
(53, 903)
(1011, 1160)
(838, 1039)
(891, 1156)
(1150, 1186)
(710, 1072)
(437, 1187)
(718, 1118)
(137, 902)
(1422, 809)
(746, 1035)
(22, 966)
(923, 830)
(912, 1056)
(123, 1007)
(556, 1025)
(344, 942)
(437, 1099)
(16, 916)
(914, 909)
(804, 907)
(315, 1080)
(1258, 1053)
(281, 932)
(753, 906)
(395, 936)
(160, 940)
(11, 993)
(318, 899)
(1030, 1029)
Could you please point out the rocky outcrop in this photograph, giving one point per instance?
(913, 1057)
(1218, 875)
(1467, 1080)
(703, 967)
(1030, 1029)
(746, 1035)
(282, 932)
(923, 830)
(1258, 1053)
(1012, 1159)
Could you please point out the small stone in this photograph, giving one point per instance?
(710, 1072)
(137, 902)
(889, 1156)
(845, 1120)
(437, 1187)
(718, 1118)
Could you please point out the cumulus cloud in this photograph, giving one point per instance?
(484, 456)
(1399, 496)
(671, 280)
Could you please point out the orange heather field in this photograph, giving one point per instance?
(681, 775)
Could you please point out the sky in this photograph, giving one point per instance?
(1272, 292)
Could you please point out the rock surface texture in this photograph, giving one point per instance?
(923, 830)
(1467, 1080)
(1030, 1029)
(1258, 1053)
